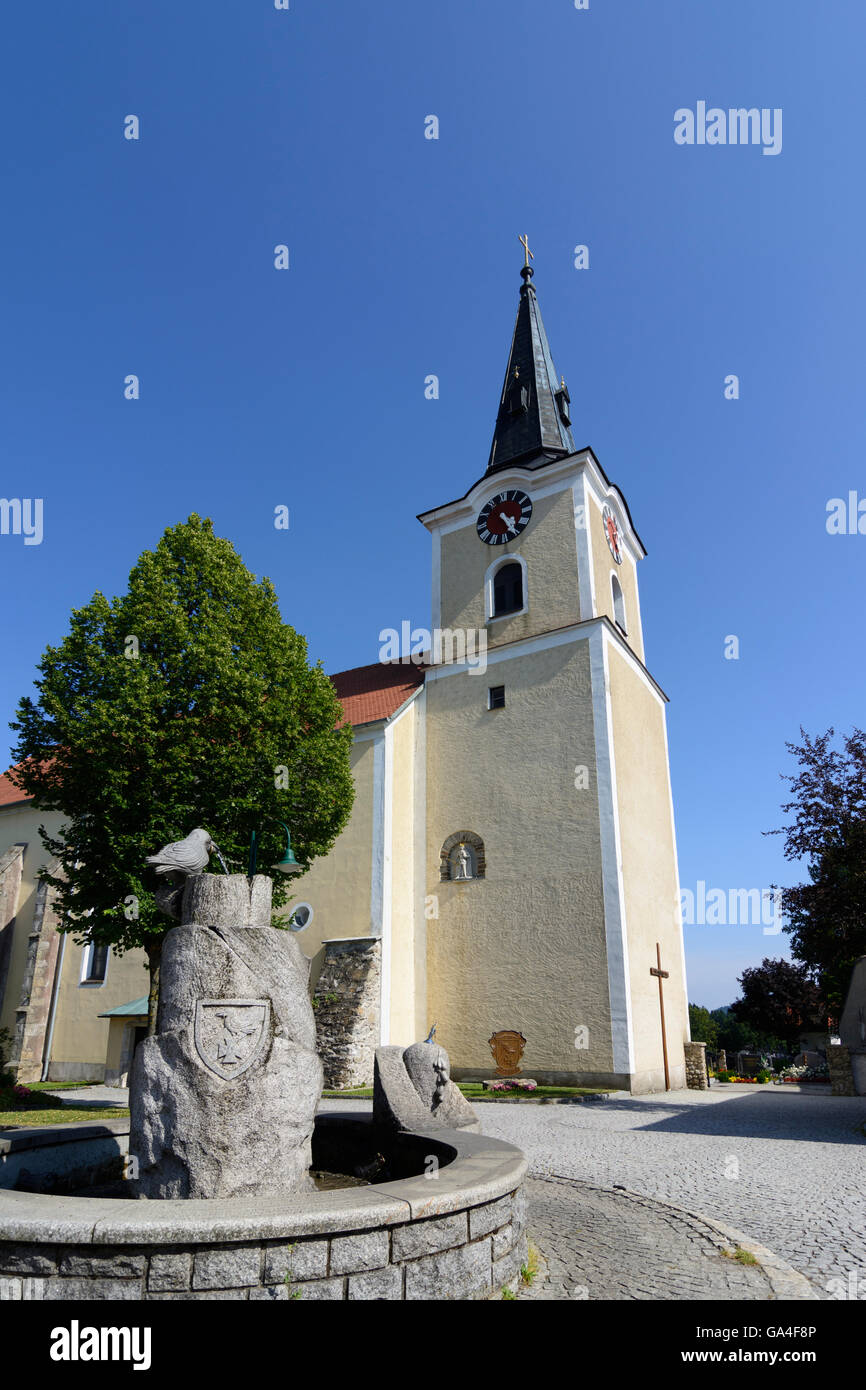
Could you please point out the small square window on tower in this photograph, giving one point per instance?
(496, 697)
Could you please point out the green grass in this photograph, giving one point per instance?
(59, 1085)
(63, 1115)
(359, 1093)
(742, 1257)
(473, 1090)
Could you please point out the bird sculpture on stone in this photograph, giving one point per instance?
(430, 1036)
(184, 857)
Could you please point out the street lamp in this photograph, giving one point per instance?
(287, 865)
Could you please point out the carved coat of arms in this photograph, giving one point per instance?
(507, 1048)
(231, 1034)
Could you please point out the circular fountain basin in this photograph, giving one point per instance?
(448, 1222)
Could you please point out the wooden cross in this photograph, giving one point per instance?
(662, 975)
(527, 254)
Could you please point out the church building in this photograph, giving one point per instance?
(510, 864)
(509, 869)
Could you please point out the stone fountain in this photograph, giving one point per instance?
(224, 1095)
(223, 1132)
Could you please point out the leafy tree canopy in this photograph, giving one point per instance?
(736, 1036)
(186, 701)
(703, 1026)
(779, 998)
(826, 917)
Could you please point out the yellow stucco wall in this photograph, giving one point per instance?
(337, 886)
(80, 1036)
(603, 565)
(19, 824)
(524, 948)
(549, 549)
(649, 870)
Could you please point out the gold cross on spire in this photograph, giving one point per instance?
(527, 254)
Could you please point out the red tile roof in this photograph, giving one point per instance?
(376, 692)
(367, 693)
(9, 793)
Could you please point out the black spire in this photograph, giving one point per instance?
(533, 420)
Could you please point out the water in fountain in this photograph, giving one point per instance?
(218, 852)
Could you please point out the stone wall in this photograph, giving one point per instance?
(347, 1008)
(467, 1254)
(696, 1066)
(11, 866)
(841, 1074)
(37, 988)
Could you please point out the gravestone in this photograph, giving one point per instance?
(223, 1097)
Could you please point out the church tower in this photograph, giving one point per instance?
(552, 888)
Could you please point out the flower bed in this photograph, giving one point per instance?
(512, 1085)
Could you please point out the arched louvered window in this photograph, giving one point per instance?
(618, 603)
(508, 589)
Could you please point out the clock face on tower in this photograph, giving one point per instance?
(504, 517)
(611, 531)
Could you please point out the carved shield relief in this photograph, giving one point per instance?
(231, 1034)
(507, 1048)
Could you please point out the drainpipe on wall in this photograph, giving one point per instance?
(52, 1015)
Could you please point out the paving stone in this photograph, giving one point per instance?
(503, 1241)
(113, 1264)
(784, 1168)
(27, 1259)
(426, 1237)
(227, 1268)
(382, 1283)
(305, 1259)
(319, 1289)
(271, 1293)
(483, 1220)
(452, 1274)
(92, 1290)
(169, 1271)
(351, 1254)
(186, 1296)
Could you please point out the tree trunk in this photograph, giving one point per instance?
(154, 958)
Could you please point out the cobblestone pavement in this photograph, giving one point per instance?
(598, 1244)
(788, 1170)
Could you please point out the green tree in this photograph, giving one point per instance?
(779, 999)
(186, 701)
(703, 1026)
(736, 1036)
(827, 915)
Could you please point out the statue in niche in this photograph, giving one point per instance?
(462, 866)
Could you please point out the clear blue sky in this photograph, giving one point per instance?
(306, 387)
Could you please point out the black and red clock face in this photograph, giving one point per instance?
(504, 517)
(612, 532)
